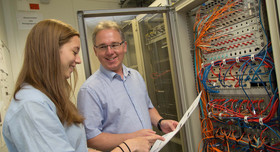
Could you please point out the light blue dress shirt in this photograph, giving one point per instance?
(114, 105)
(32, 125)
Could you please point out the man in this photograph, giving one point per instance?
(114, 100)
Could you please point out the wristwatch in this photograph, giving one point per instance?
(158, 124)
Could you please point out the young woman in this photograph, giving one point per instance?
(41, 116)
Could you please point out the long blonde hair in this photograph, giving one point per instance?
(42, 67)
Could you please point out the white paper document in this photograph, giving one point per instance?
(158, 145)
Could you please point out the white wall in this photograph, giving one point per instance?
(3, 35)
(64, 10)
(3, 77)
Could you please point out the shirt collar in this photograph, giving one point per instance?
(111, 75)
(126, 71)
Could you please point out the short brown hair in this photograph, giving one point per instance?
(106, 25)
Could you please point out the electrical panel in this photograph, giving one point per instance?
(234, 66)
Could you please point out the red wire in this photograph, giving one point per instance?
(262, 135)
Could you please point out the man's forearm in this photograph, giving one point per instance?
(107, 141)
(155, 116)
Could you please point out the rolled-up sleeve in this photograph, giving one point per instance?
(89, 106)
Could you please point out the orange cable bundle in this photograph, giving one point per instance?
(207, 23)
(202, 45)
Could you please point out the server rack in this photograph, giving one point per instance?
(229, 39)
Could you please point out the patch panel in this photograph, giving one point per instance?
(243, 10)
(236, 75)
(227, 55)
(214, 83)
(237, 37)
(239, 104)
(211, 6)
(224, 70)
(240, 25)
(245, 38)
(235, 18)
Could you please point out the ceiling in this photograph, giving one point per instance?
(135, 3)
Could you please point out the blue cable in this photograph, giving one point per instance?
(265, 36)
(240, 83)
(270, 79)
(274, 98)
(261, 82)
(272, 130)
(205, 75)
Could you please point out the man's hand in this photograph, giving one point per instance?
(168, 125)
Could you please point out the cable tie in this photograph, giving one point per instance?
(246, 119)
(214, 84)
(212, 63)
(261, 121)
(253, 57)
(224, 62)
(250, 12)
(237, 59)
(254, 112)
(210, 114)
(231, 118)
(220, 116)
